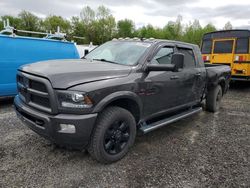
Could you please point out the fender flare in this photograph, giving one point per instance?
(215, 83)
(222, 80)
(115, 96)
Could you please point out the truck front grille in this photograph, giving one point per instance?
(40, 100)
(34, 91)
(38, 86)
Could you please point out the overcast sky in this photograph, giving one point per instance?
(142, 12)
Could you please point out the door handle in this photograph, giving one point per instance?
(174, 77)
(198, 74)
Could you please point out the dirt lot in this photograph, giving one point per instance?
(204, 150)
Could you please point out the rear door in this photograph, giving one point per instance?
(223, 51)
(192, 77)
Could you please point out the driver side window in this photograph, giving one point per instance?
(163, 56)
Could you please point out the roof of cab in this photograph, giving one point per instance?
(153, 40)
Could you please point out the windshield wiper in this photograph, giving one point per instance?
(105, 60)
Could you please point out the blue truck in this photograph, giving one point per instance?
(19, 50)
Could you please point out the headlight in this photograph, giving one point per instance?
(74, 99)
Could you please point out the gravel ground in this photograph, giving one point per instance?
(206, 150)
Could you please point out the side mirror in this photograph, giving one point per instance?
(178, 61)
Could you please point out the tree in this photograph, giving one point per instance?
(52, 22)
(126, 28)
(228, 26)
(209, 28)
(105, 23)
(194, 32)
(102, 13)
(150, 31)
(100, 25)
(87, 15)
(88, 20)
(29, 21)
(14, 21)
(78, 29)
(1, 25)
(173, 30)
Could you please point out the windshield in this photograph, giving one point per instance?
(119, 52)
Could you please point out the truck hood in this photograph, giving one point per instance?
(67, 73)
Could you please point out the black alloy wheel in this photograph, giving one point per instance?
(116, 137)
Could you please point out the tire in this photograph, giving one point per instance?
(213, 99)
(115, 126)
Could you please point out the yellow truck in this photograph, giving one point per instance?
(228, 47)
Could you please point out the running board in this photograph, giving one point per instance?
(145, 128)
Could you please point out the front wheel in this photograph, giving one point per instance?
(213, 99)
(114, 134)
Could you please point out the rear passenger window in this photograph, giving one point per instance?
(242, 46)
(189, 59)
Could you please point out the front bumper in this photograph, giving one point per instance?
(48, 125)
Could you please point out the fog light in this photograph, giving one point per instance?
(67, 128)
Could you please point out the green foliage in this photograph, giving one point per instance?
(209, 28)
(28, 21)
(173, 30)
(1, 25)
(105, 27)
(52, 22)
(194, 32)
(99, 26)
(125, 28)
(149, 32)
(87, 15)
(78, 29)
(14, 21)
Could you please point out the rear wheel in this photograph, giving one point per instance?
(114, 134)
(213, 99)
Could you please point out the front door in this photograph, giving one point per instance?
(164, 90)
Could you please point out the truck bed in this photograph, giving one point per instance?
(217, 73)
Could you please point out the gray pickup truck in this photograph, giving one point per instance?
(122, 88)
